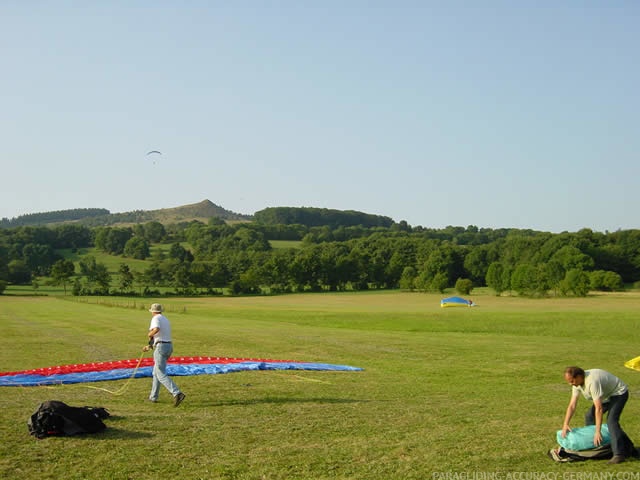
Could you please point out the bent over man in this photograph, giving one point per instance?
(609, 395)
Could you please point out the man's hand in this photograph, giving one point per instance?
(597, 439)
(565, 430)
(146, 348)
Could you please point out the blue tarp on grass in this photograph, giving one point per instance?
(456, 302)
(32, 380)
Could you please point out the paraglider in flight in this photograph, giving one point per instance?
(155, 152)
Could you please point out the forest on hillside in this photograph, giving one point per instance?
(240, 259)
(96, 217)
(57, 216)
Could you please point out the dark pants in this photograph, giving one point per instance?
(621, 444)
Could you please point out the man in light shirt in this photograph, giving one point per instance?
(608, 394)
(160, 341)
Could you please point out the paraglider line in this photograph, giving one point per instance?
(124, 387)
(302, 378)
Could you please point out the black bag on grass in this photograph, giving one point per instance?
(57, 418)
(561, 454)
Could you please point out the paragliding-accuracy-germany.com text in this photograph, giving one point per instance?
(484, 475)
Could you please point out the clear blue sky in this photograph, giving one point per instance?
(497, 114)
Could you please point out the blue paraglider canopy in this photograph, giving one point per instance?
(456, 302)
(123, 369)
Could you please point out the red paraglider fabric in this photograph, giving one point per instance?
(143, 367)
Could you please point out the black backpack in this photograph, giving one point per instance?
(561, 454)
(57, 418)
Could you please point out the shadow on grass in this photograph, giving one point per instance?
(278, 401)
(112, 433)
(117, 433)
(108, 434)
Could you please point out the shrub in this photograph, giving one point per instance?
(464, 286)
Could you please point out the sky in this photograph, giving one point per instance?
(497, 114)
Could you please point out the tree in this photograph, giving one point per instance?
(137, 247)
(613, 281)
(576, 281)
(421, 282)
(62, 271)
(112, 240)
(141, 281)
(180, 253)
(117, 238)
(464, 286)
(126, 277)
(200, 275)
(571, 257)
(555, 274)
(19, 273)
(95, 273)
(524, 279)
(4, 261)
(447, 260)
(334, 265)
(100, 238)
(277, 270)
(38, 258)
(403, 255)
(77, 287)
(605, 281)
(439, 282)
(477, 262)
(72, 236)
(181, 280)
(153, 274)
(407, 280)
(498, 277)
(102, 278)
(542, 283)
(154, 232)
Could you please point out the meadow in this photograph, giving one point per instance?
(461, 392)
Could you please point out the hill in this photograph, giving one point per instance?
(201, 211)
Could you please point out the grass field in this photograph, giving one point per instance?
(460, 391)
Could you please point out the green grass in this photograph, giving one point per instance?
(112, 262)
(285, 243)
(443, 390)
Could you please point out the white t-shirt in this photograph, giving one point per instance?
(162, 322)
(600, 384)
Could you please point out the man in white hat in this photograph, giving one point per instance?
(160, 341)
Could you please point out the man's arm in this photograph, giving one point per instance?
(568, 415)
(597, 437)
(153, 331)
(150, 334)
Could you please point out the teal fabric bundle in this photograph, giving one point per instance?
(581, 438)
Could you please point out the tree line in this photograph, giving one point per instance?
(210, 258)
(31, 219)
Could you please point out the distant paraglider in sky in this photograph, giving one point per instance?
(154, 153)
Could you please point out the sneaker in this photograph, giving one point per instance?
(617, 459)
(177, 400)
(152, 400)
